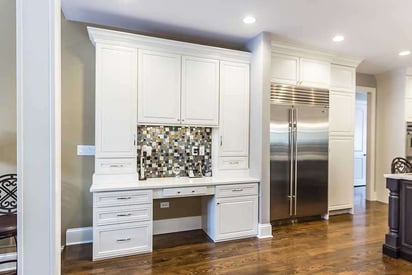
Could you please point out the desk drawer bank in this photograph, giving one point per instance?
(123, 212)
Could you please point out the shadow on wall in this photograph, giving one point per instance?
(8, 154)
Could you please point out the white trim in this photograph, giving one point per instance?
(7, 257)
(79, 235)
(264, 231)
(371, 143)
(176, 225)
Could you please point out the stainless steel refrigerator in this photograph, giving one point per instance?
(298, 152)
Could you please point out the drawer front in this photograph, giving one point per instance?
(115, 166)
(184, 191)
(122, 198)
(121, 240)
(233, 163)
(235, 190)
(121, 214)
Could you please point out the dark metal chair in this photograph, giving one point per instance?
(8, 208)
(401, 166)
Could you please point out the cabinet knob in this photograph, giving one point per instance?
(218, 203)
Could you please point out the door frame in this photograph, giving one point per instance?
(371, 142)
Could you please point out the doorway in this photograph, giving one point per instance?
(364, 147)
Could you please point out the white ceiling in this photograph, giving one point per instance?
(374, 30)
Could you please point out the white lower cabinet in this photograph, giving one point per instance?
(122, 223)
(232, 213)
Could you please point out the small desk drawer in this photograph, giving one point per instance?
(122, 198)
(115, 166)
(233, 163)
(184, 191)
(121, 214)
(247, 189)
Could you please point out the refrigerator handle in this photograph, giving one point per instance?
(295, 144)
(291, 127)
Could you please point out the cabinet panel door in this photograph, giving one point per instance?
(408, 109)
(200, 91)
(408, 87)
(159, 88)
(340, 173)
(284, 69)
(314, 73)
(342, 78)
(341, 113)
(236, 217)
(116, 92)
(234, 109)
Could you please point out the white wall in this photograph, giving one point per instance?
(390, 125)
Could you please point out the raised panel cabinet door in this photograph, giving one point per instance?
(340, 173)
(236, 217)
(159, 81)
(341, 113)
(408, 109)
(234, 109)
(342, 78)
(200, 91)
(314, 73)
(285, 69)
(116, 93)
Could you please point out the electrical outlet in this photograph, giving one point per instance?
(86, 150)
(195, 151)
(164, 204)
(201, 150)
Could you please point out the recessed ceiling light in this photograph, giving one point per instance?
(338, 38)
(403, 53)
(249, 20)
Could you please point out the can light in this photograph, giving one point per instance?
(249, 20)
(338, 38)
(404, 53)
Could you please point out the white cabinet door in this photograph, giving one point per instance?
(342, 78)
(340, 173)
(341, 113)
(200, 91)
(314, 73)
(408, 109)
(234, 109)
(116, 92)
(284, 69)
(408, 93)
(159, 88)
(236, 217)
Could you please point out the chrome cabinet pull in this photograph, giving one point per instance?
(116, 165)
(234, 162)
(124, 240)
(237, 190)
(124, 215)
(221, 140)
(124, 198)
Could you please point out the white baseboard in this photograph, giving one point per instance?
(176, 225)
(79, 235)
(7, 257)
(340, 212)
(264, 231)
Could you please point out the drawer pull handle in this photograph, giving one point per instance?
(234, 162)
(124, 215)
(178, 192)
(237, 190)
(124, 198)
(193, 191)
(124, 240)
(116, 165)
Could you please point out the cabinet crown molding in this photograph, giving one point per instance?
(98, 35)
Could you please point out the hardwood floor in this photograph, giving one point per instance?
(345, 244)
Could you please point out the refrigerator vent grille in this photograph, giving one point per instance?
(284, 94)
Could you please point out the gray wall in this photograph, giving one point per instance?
(366, 80)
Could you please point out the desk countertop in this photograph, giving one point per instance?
(407, 176)
(156, 183)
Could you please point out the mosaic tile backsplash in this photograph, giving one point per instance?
(172, 148)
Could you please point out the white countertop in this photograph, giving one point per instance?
(407, 176)
(156, 183)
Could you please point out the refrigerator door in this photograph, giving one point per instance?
(311, 161)
(280, 162)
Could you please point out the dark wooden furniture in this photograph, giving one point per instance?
(398, 241)
(400, 166)
(8, 208)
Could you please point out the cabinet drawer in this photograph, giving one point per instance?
(115, 166)
(184, 191)
(121, 214)
(122, 198)
(121, 240)
(233, 163)
(237, 190)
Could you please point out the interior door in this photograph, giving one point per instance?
(280, 162)
(360, 147)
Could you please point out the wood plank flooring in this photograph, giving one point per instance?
(345, 244)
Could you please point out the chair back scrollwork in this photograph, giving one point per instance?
(401, 166)
(8, 194)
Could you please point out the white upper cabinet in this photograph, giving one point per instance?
(408, 109)
(287, 69)
(159, 88)
(408, 93)
(342, 78)
(116, 92)
(200, 91)
(234, 109)
(341, 113)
